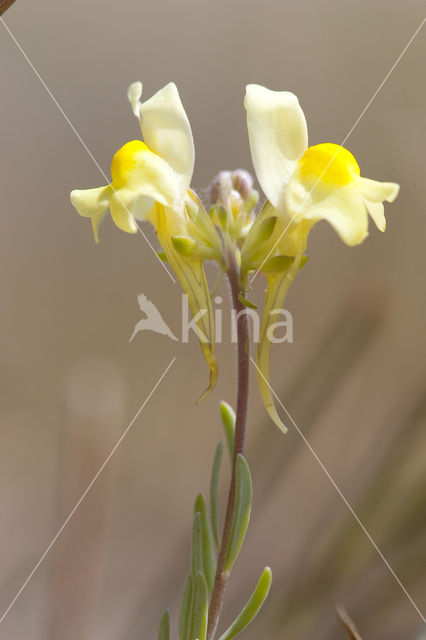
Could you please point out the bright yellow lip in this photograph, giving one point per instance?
(329, 163)
(124, 161)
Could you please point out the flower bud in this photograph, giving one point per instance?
(233, 203)
(229, 183)
(221, 187)
(242, 182)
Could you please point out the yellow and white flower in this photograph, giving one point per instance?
(151, 181)
(157, 169)
(303, 185)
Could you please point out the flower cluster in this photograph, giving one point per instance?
(151, 181)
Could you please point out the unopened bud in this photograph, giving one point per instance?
(228, 181)
(233, 193)
(236, 202)
(242, 182)
(221, 188)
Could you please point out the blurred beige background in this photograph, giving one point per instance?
(70, 381)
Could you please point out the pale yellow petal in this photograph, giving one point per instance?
(91, 202)
(136, 168)
(166, 130)
(141, 207)
(378, 191)
(375, 193)
(138, 205)
(134, 93)
(153, 177)
(377, 212)
(119, 207)
(345, 210)
(342, 206)
(278, 137)
(96, 223)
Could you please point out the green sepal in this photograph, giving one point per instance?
(164, 626)
(190, 248)
(184, 245)
(265, 229)
(193, 210)
(162, 256)
(214, 487)
(202, 225)
(277, 264)
(243, 498)
(215, 289)
(254, 246)
(191, 275)
(303, 261)
(219, 216)
(228, 420)
(200, 606)
(246, 302)
(252, 607)
(209, 555)
(186, 609)
(197, 545)
(278, 286)
(251, 201)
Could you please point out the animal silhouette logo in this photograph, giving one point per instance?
(153, 320)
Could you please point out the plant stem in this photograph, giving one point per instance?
(243, 355)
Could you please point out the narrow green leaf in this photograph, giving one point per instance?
(228, 420)
(197, 545)
(243, 497)
(164, 628)
(252, 607)
(246, 302)
(214, 487)
(186, 609)
(199, 608)
(209, 555)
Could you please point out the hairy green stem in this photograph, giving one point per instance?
(243, 360)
